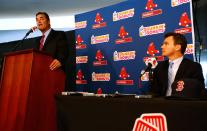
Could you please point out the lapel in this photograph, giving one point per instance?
(37, 45)
(181, 68)
(165, 75)
(49, 37)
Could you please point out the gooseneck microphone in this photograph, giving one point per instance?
(20, 42)
(148, 68)
(30, 31)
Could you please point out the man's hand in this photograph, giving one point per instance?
(55, 64)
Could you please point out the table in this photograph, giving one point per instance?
(80, 113)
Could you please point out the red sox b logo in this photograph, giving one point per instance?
(150, 5)
(151, 122)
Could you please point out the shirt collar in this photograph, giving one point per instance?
(177, 61)
(47, 32)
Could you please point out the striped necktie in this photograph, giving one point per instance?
(42, 42)
(170, 79)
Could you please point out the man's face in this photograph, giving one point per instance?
(169, 48)
(42, 23)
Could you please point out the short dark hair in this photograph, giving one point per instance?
(179, 39)
(43, 13)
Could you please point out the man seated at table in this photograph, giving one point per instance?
(177, 75)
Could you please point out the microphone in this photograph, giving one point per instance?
(20, 42)
(30, 31)
(151, 63)
(149, 67)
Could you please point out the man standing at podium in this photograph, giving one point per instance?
(52, 42)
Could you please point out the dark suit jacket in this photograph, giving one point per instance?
(55, 45)
(187, 70)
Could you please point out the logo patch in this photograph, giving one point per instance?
(180, 86)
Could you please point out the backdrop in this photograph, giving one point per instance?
(114, 44)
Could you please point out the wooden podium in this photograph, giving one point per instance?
(27, 92)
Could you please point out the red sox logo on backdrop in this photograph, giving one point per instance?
(99, 22)
(123, 36)
(124, 75)
(185, 22)
(79, 42)
(122, 32)
(150, 5)
(150, 9)
(151, 122)
(99, 57)
(151, 51)
(80, 77)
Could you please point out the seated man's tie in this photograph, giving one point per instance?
(170, 79)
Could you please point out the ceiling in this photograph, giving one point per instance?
(28, 8)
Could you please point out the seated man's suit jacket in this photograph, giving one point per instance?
(187, 70)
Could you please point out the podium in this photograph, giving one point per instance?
(27, 92)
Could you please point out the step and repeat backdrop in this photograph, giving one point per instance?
(115, 44)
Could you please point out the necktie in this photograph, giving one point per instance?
(42, 42)
(170, 79)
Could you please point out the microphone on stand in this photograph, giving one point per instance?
(151, 63)
(148, 68)
(30, 31)
(20, 42)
